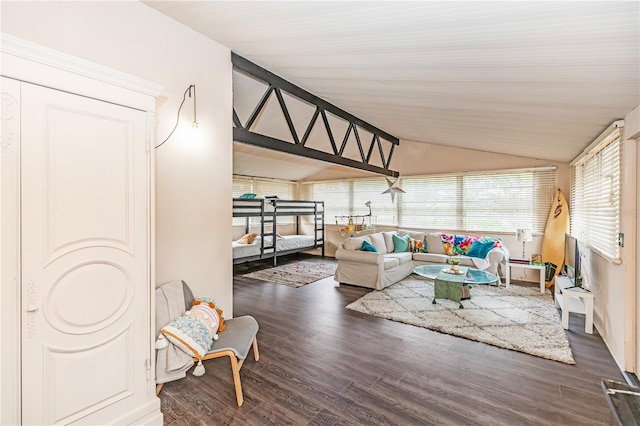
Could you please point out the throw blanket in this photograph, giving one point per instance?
(172, 362)
(459, 245)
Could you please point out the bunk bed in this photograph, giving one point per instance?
(267, 210)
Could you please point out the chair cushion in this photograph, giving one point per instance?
(237, 337)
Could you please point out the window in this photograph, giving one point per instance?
(284, 189)
(349, 197)
(336, 195)
(504, 201)
(430, 202)
(595, 196)
(499, 201)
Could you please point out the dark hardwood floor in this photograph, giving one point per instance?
(323, 364)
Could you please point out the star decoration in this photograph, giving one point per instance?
(393, 188)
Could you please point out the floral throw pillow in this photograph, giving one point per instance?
(417, 246)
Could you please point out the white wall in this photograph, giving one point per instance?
(616, 286)
(193, 181)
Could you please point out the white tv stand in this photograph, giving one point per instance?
(573, 299)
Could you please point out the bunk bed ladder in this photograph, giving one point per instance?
(270, 219)
(319, 215)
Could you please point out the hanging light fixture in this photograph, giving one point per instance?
(191, 91)
(394, 187)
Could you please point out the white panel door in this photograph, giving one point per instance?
(85, 270)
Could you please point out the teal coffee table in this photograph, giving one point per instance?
(454, 286)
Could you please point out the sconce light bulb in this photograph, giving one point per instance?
(194, 125)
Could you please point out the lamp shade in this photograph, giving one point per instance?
(524, 235)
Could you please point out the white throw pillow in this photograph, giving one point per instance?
(388, 240)
(434, 244)
(378, 242)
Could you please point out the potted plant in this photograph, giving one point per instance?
(454, 264)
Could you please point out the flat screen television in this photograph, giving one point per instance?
(572, 260)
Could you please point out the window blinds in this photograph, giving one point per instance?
(350, 196)
(336, 196)
(595, 196)
(499, 201)
(430, 202)
(505, 201)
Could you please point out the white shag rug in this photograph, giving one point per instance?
(519, 318)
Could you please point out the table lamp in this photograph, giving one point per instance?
(524, 235)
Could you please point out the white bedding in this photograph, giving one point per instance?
(286, 242)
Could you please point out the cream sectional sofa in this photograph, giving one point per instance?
(380, 269)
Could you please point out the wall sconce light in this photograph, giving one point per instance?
(524, 235)
(191, 91)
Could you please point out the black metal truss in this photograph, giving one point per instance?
(277, 85)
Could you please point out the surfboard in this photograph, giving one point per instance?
(554, 232)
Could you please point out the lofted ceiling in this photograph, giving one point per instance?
(535, 79)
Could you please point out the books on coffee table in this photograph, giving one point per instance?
(519, 260)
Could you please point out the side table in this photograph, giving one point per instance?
(574, 299)
(525, 266)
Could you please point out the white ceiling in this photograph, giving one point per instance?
(536, 79)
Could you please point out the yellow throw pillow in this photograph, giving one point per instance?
(247, 238)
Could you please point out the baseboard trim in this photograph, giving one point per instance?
(631, 378)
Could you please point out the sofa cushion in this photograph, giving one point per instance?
(390, 262)
(430, 257)
(366, 246)
(416, 235)
(434, 244)
(403, 257)
(465, 261)
(400, 244)
(378, 242)
(355, 243)
(388, 240)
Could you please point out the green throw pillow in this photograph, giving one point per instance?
(400, 244)
(480, 249)
(368, 247)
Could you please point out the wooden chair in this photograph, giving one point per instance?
(235, 342)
